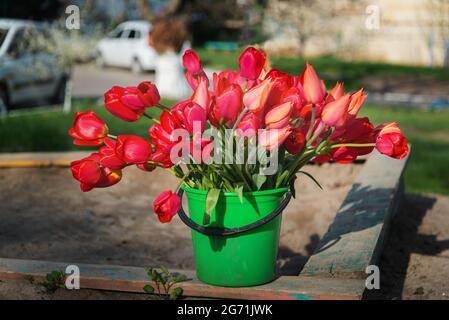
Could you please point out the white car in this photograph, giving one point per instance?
(29, 72)
(128, 46)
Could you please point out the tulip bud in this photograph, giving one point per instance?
(124, 103)
(279, 116)
(256, 98)
(133, 149)
(91, 174)
(313, 86)
(166, 206)
(335, 112)
(338, 91)
(390, 141)
(357, 100)
(191, 62)
(149, 94)
(273, 138)
(201, 96)
(251, 63)
(88, 129)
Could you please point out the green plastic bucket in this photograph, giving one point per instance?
(240, 245)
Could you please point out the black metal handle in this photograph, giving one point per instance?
(223, 232)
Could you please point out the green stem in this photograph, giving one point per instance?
(239, 118)
(312, 123)
(151, 118)
(162, 107)
(317, 134)
(353, 145)
(112, 136)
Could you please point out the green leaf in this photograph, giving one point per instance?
(165, 270)
(176, 293)
(148, 289)
(259, 180)
(292, 187)
(311, 177)
(180, 278)
(239, 191)
(211, 203)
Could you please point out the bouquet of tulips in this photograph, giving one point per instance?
(246, 130)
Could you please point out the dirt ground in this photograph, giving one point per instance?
(44, 216)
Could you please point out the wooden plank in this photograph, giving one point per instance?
(355, 238)
(133, 279)
(40, 159)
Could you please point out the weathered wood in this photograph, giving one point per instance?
(133, 279)
(40, 159)
(355, 238)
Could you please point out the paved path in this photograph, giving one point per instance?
(91, 81)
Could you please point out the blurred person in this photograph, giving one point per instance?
(169, 37)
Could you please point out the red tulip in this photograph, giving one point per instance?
(338, 91)
(251, 63)
(273, 138)
(133, 149)
(194, 80)
(88, 129)
(313, 86)
(191, 62)
(130, 103)
(163, 158)
(91, 174)
(108, 157)
(227, 105)
(149, 93)
(166, 206)
(390, 141)
(161, 134)
(191, 115)
(279, 116)
(335, 112)
(295, 141)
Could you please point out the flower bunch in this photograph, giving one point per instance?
(234, 128)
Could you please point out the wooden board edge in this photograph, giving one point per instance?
(133, 279)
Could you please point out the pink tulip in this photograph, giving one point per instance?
(279, 116)
(251, 63)
(256, 98)
(273, 138)
(249, 125)
(313, 86)
(335, 112)
(227, 106)
(201, 96)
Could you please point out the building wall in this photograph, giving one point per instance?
(410, 31)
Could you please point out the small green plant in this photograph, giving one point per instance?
(164, 281)
(55, 280)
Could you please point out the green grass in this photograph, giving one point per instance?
(428, 132)
(331, 69)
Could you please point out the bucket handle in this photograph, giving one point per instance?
(223, 232)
